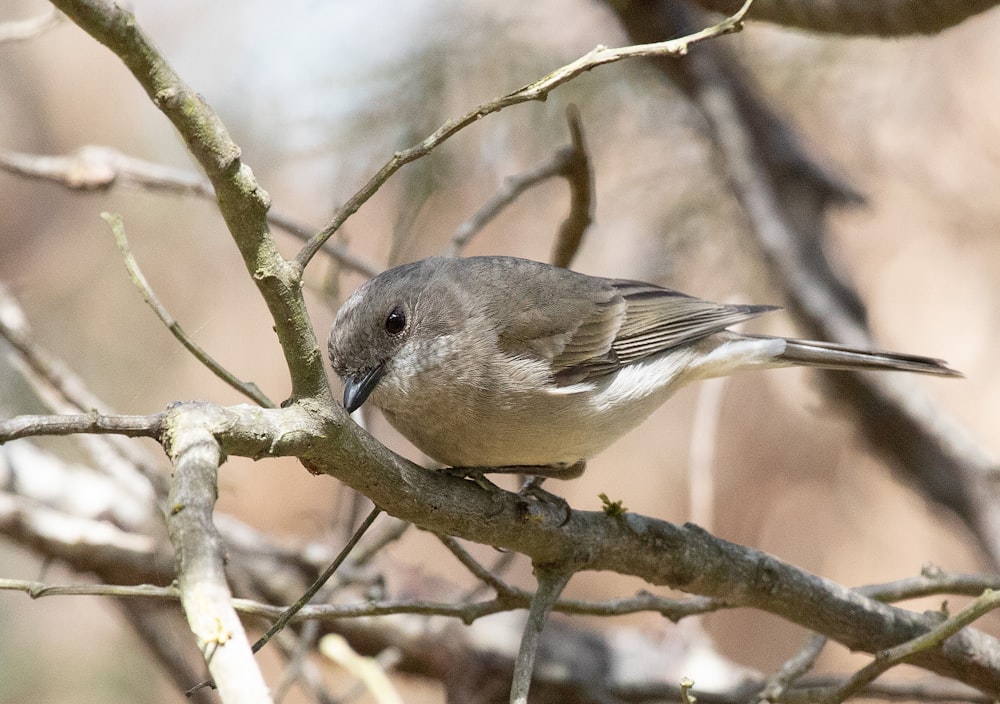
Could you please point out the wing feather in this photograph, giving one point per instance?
(656, 320)
(586, 327)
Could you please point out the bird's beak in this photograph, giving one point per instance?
(357, 388)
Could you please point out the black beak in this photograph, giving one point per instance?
(357, 388)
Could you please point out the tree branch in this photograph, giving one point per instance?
(199, 551)
(94, 422)
(94, 167)
(248, 389)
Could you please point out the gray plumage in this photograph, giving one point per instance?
(499, 361)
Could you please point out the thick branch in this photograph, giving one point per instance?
(683, 557)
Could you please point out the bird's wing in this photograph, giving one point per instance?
(658, 319)
(567, 323)
(585, 331)
(655, 320)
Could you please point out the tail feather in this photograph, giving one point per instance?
(827, 355)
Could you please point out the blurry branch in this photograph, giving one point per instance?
(785, 196)
(248, 389)
(19, 30)
(62, 391)
(92, 168)
(368, 670)
(571, 162)
(579, 174)
(98, 168)
(537, 90)
(792, 670)
(888, 18)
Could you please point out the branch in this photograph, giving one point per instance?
(537, 90)
(906, 652)
(201, 575)
(248, 389)
(579, 174)
(683, 557)
(552, 579)
(101, 168)
(93, 422)
(571, 162)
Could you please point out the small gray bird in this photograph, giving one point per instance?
(499, 362)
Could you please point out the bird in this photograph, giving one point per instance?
(505, 364)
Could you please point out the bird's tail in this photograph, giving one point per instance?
(827, 355)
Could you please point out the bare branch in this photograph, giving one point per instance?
(905, 652)
(201, 574)
(552, 579)
(100, 168)
(579, 174)
(318, 583)
(94, 422)
(248, 389)
(932, 581)
(571, 162)
(537, 90)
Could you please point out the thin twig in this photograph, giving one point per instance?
(98, 423)
(247, 388)
(571, 162)
(290, 612)
(903, 652)
(551, 581)
(537, 90)
(932, 581)
(501, 588)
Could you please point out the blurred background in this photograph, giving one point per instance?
(320, 94)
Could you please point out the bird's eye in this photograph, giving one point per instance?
(395, 322)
